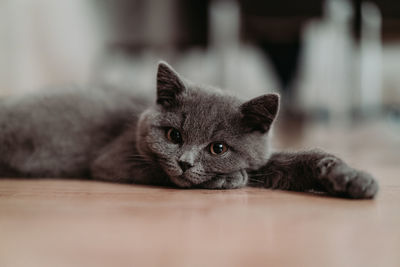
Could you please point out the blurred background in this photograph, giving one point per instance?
(335, 62)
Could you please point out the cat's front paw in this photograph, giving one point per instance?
(337, 178)
(227, 181)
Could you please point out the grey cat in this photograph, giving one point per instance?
(193, 137)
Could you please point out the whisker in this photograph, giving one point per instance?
(139, 160)
(136, 156)
(256, 180)
(261, 174)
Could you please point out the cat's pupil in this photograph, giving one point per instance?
(217, 148)
(174, 136)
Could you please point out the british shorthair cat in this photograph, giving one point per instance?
(193, 137)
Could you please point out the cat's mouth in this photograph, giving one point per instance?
(175, 174)
(186, 179)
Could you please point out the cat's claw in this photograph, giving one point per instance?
(339, 179)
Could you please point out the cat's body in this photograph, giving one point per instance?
(192, 137)
(59, 134)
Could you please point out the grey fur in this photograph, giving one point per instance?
(314, 170)
(111, 136)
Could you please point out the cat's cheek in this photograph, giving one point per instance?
(171, 169)
(152, 142)
(142, 134)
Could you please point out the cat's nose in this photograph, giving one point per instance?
(184, 165)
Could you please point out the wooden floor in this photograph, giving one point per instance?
(84, 223)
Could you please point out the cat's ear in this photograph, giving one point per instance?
(169, 85)
(259, 113)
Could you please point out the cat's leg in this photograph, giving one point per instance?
(314, 170)
(113, 163)
(120, 162)
(236, 179)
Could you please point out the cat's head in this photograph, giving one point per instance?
(196, 133)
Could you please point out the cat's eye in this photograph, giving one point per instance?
(174, 135)
(218, 148)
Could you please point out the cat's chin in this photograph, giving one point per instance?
(180, 181)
